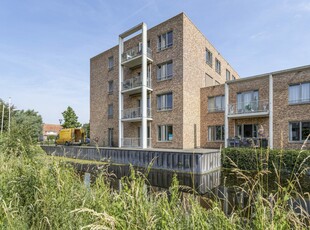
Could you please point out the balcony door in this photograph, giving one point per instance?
(246, 130)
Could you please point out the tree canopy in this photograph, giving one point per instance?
(70, 119)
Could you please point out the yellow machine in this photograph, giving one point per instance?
(72, 136)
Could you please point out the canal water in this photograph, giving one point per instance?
(222, 185)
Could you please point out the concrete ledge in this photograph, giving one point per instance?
(183, 161)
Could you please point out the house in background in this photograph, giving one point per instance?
(50, 130)
(268, 110)
(145, 92)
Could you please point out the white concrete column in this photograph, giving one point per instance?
(226, 114)
(120, 95)
(144, 86)
(270, 141)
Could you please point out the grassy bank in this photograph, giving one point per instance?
(39, 192)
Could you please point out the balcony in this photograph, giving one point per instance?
(249, 109)
(133, 57)
(134, 84)
(252, 142)
(135, 142)
(135, 114)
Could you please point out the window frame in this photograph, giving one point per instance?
(300, 131)
(165, 107)
(110, 89)
(110, 67)
(164, 37)
(163, 133)
(209, 57)
(218, 66)
(110, 111)
(228, 75)
(160, 71)
(214, 108)
(212, 133)
(300, 100)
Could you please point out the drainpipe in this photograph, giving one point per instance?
(270, 112)
(226, 114)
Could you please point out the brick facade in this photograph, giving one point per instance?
(188, 54)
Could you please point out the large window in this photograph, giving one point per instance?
(247, 101)
(165, 40)
(209, 57)
(110, 88)
(299, 93)
(216, 103)
(165, 133)
(110, 111)
(299, 131)
(217, 66)
(227, 75)
(110, 63)
(164, 71)
(164, 101)
(216, 133)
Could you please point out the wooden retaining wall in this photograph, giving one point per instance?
(179, 161)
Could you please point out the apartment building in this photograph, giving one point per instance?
(271, 109)
(145, 92)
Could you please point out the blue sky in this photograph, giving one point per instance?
(45, 46)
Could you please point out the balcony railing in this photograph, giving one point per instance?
(135, 52)
(135, 82)
(135, 142)
(253, 142)
(134, 113)
(248, 107)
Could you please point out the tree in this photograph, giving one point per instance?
(70, 119)
(28, 120)
(86, 127)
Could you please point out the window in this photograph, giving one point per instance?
(216, 103)
(247, 101)
(110, 63)
(216, 133)
(299, 131)
(164, 101)
(209, 57)
(299, 93)
(110, 89)
(165, 40)
(164, 71)
(165, 133)
(227, 75)
(246, 130)
(233, 77)
(148, 44)
(217, 66)
(110, 111)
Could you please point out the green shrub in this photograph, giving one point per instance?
(258, 159)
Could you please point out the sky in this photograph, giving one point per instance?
(46, 46)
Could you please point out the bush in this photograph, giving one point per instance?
(258, 159)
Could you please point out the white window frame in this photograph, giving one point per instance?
(209, 57)
(162, 71)
(162, 99)
(213, 103)
(300, 126)
(218, 66)
(163, 133)
(162, 41)
(302, 95)
(212, 133)
(227, 75)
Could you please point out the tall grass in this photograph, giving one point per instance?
(37, 192)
